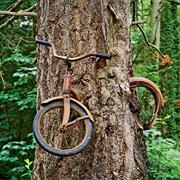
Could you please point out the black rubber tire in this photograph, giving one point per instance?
(59, 152)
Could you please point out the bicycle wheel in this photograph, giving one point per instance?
(157, 95)
(62, 142)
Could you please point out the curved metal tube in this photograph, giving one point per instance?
(66, 58)
(159, 102)
(71, 99)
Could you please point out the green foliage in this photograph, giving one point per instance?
(12, 157)
(162, 143)
(17, 94)
(19, 97)
(146, 64)
(147, 104)
(164, 157)
(28, 167)
(169, 81)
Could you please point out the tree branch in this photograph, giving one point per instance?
(137, 22)
(20, 13)
(147, 41)
(175, 1)
(13, 6)
(7, 22)
(13, 17)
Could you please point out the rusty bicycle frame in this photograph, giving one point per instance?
(66, 101)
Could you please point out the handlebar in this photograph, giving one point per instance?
(95, 54)
(42, 42)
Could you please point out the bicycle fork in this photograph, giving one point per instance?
(67, 104)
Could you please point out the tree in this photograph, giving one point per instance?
(76, 27)
(155, 23)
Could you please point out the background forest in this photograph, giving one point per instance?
(160, 22)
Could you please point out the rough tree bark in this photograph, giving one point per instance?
(75, 27)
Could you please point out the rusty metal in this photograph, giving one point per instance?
(65, 58)
(101, 63)
(71, 99)
(75, 95)
(61, 152)
(159, 102)
(67, 83)
(76, 121)
(49, 100)
(66, 112)
(69, 104)
(67, 90)
(84, 107)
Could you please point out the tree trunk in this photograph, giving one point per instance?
(76, 27)
(155, 22)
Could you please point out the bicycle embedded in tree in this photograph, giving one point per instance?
(75, 131)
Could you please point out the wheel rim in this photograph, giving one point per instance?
(55, 150)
